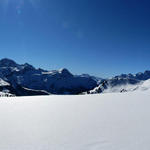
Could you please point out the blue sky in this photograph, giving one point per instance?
(99, 37)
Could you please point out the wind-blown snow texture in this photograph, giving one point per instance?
(118, 121)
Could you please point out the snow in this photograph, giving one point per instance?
(6, 93)
(3, 83)
(113, 121)
(143, 85)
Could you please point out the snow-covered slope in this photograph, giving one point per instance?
(5, 89)
(118, 121)
(3, 83)
(121, 83)
(55, 81)
(106, 87)
(25, 80)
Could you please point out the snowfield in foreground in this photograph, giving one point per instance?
(118, 121)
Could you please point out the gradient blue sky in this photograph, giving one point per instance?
(99, 37)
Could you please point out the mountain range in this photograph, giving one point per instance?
(123, 83)
(26, 80)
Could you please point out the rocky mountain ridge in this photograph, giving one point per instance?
(26, 80)
(122, 83)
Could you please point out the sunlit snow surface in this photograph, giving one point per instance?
(118, 121)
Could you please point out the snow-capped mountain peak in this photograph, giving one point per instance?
(24, 79)
(124, 83)
(27, 79)
(65, 72)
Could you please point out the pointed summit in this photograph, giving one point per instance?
(65, 72)
(7, 63)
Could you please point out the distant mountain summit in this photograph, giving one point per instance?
(7, 63)
(65, 72)
(122, 83)
(24, 79)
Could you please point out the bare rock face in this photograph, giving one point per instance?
(7, 63)
(24, 79)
